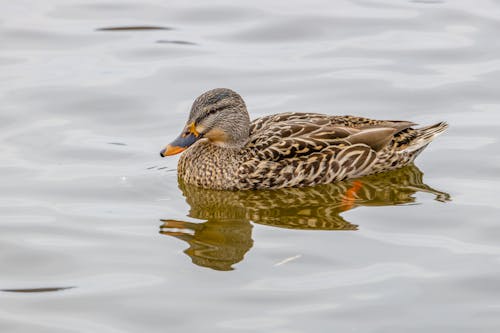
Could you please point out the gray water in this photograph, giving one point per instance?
(94, 224)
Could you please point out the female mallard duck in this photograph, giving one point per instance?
(228, 152)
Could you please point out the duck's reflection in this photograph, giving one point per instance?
(226, 235)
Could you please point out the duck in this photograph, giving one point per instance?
(222, 149)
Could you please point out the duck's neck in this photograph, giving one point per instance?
(208, 165)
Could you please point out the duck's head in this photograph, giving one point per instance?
(219, 116)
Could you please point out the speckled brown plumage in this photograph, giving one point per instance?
(291, 149)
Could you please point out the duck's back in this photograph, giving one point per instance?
(304, 149)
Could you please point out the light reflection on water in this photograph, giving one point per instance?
(82, 188)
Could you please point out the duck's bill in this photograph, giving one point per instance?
(179, 145)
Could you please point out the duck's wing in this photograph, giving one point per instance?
(290, 135)
(297, 149)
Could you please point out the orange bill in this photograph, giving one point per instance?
(172, 150)
(186, 139)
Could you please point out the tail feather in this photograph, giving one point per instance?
(425, 135)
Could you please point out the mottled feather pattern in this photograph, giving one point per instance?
(304, 149)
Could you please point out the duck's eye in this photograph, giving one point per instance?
(207, 113)
(210, 112)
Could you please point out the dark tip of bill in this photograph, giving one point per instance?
(132, 28)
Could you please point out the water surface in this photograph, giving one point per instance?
(98, 236)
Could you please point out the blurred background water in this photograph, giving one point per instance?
(94, 223)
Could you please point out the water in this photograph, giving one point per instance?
(94, 224)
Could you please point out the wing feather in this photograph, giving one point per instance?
(300, 149)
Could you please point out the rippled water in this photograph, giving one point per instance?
(94, 223)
